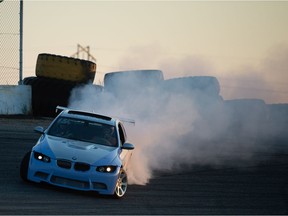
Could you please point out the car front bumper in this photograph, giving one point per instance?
(90, 180)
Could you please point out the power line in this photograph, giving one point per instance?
(251, 80)
(258, 89)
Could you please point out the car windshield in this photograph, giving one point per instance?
(83, 130)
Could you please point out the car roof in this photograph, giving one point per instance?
(84, 115)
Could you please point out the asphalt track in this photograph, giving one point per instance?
(254, 188)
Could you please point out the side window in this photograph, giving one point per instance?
(122, 134)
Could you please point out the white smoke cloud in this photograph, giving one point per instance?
(179, 126)
(173, 127)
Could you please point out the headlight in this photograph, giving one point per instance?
(42, 157)
(106, 169)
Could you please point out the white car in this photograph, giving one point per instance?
(80, 150)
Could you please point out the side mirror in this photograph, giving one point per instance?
(128, 146)
(39, 129)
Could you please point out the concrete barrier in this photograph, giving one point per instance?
(15, 100)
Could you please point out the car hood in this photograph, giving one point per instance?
(78, 151)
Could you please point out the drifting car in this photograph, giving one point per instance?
(82, 151)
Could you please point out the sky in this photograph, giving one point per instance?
(244, 44)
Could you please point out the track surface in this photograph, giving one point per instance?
(251, 189)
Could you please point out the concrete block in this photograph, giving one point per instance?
(15, 100)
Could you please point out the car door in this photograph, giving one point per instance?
(125, 154)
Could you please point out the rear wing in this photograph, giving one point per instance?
(124, 120)
(60, 108)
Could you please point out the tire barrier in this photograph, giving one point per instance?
(65, 68)
(202, 90)
(187, 85)
(126, 82)
(247, 117)
(278, 123)
(56, 76)
(48, 93)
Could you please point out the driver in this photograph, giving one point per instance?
(64, 130)
(109, 134)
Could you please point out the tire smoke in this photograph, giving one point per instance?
(179, 122)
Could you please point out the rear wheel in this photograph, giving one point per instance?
(121, 185)
(24, 166)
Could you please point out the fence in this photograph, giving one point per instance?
(9, 41)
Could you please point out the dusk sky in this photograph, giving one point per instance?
(243, 43)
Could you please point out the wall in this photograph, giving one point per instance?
(15, 100)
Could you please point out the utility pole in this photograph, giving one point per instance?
(86, 50)
(21, 44)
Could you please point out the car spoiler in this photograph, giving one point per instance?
(125, 120)
(60, 108)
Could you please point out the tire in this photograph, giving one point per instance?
(28, 80)
(121, 185)
(65, 68)
(48, 93)
(24, 166)
(122, 83)
(248, 109)
(31, 81)
(205, 84)
(248, 117)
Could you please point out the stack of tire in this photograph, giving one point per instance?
(248, 119)
(276, 129)
(56, 76)
(193, 84)
(204, 91)
(125, 83)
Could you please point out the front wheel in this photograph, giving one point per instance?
(24, 166)
(121, 185)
